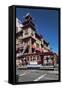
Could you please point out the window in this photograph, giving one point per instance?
(26, 31)
(37, 57)
(37, 45)
(31, 58)
(27, 58)
(34, 58)
(42, 45)
(32, 33)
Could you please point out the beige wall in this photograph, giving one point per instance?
(29, 32)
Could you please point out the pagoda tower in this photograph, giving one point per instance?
(29, 31)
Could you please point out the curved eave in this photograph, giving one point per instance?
(28, 25)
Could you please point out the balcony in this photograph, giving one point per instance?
(24, 37)
(37, 48)
(20, 37)
(46, 47)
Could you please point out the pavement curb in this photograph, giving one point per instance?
(35, 68)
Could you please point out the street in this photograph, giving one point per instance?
(36, 75)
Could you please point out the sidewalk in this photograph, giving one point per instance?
(53, 72)
(39, 67)
(23, 67)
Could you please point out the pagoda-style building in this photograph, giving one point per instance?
(30, 46)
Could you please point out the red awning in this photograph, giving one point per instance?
(37, 49)
(48, 53)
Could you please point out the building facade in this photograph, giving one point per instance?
(30, 46)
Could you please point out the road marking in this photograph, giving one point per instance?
(40, 77)
(50, 79)
(22, 74)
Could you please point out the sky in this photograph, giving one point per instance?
(46, 23)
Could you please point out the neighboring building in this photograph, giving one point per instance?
(30, 46)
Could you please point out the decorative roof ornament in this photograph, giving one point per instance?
(27, 14)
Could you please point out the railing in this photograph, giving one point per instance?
(20, 46)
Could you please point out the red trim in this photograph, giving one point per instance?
(33, 46)
(39, 49)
